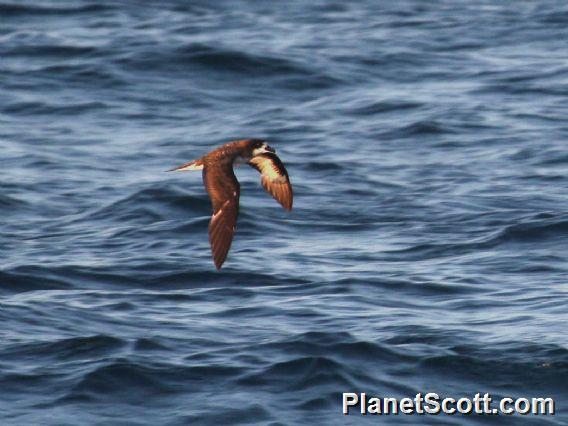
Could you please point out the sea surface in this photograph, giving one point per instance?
(427, 251)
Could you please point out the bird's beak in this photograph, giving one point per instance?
(270, 149)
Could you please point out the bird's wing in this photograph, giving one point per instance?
(224, 190)
(274, 178)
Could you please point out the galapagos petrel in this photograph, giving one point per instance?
(224, 189)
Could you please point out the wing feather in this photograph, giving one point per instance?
(274, 178)
(224, 191)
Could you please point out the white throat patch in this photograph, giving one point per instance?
(261, 150)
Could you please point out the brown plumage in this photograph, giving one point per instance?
(274, 178)
(224, 189)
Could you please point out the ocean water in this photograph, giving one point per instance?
(428, 246)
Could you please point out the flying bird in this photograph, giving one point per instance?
(224, 189)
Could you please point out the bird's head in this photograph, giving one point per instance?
(259, 147)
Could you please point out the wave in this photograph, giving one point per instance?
(320, 166)
(529, 231)
(554, 158)
(89, 75)
(120, 376)
(7, 201)
(535, 230)
(42, 108)
(18, 10)
(223, 60)
(60, 51)
(301, 373)
(236, 61)
(420, 128)
(381, 107)
(559, 17)
(74, 348)
(30, 279)
(540, 364)
(142, 273)
(525, 89)
(150, 205)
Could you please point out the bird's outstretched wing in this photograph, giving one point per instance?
(274, 178)
(224, 190)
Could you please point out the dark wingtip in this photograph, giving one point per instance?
(289, 201)
(218, 263)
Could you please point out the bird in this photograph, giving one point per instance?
(224, 190)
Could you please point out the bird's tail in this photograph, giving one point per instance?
(192, 165)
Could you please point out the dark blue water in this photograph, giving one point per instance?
(428, 246)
